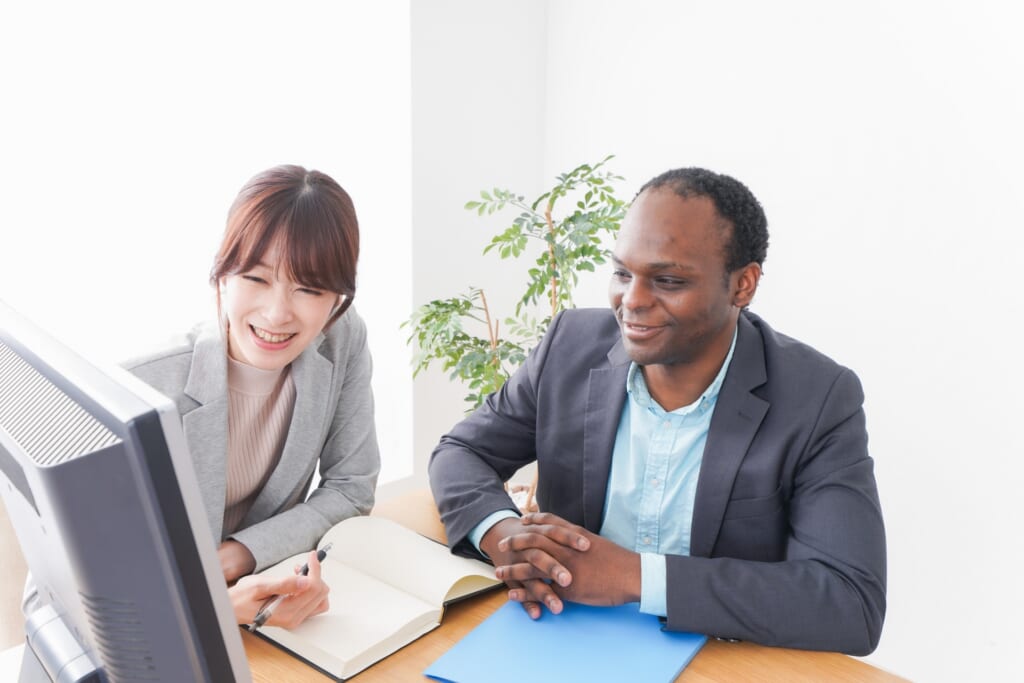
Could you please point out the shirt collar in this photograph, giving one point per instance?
(636, 386)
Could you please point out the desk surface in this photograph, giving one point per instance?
(717, 661)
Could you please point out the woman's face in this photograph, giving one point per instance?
(272, 319)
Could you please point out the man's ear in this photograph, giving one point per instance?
(745, 282)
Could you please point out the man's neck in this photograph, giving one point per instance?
(680, 384)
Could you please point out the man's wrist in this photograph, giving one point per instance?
(476, 536)
(499, 530)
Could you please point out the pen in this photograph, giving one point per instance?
(267, 610)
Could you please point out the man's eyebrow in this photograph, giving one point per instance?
(659, 265)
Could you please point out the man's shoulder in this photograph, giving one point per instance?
(577, 339)
(599, 322)
(788, 348)
(791, 364)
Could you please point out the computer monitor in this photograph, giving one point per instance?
(101, 491)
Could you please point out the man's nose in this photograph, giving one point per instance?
(636, 293)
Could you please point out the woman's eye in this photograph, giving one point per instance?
(311, 292)
(254, 278)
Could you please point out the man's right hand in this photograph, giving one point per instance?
(537, 550)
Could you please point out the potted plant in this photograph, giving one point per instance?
(465, 336)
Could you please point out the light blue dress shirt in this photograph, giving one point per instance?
(653, 481)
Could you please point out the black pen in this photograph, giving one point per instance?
(267, 610)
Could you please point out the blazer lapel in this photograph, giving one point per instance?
(737, 417)
(606, 394)
(311, 373)
(206, 427)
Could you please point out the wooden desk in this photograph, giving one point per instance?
(717, 661)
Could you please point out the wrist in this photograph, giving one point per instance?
(633, 579)
(235, 559)
(501, 529)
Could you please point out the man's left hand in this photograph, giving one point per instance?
(604, 574)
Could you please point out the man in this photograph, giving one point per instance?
(689, 457)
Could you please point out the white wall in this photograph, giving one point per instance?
(884, 140)
(478, 72)
(128, 128)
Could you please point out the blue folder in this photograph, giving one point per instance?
(582, 643)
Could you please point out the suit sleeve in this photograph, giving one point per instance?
(349, 463)
(828, 592)
(469, 466)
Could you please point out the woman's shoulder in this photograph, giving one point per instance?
(346, 336)
(170, 361)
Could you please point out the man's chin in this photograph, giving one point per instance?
(641, 354)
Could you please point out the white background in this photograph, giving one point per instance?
(883, 138)
(885, 141)
(128, 128)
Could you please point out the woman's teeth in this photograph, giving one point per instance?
(269, 337)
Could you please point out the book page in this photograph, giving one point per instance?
(393, 554)
(366, 621)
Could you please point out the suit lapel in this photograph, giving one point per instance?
(738, 415)
(606, 393)
(206, 427)
(311, 374)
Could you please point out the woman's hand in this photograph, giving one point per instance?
(307, 596)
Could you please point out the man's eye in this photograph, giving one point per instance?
(620, 275)
(669, 282)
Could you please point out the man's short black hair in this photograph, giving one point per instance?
(748, 241)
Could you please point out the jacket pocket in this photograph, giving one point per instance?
(741, 508)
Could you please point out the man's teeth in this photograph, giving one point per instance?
(272, 338)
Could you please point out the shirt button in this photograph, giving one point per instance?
(654, 482)
(647, 540)
(666, 423)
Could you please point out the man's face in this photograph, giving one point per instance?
(669, 289)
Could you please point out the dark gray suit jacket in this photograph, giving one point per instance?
(787, 540)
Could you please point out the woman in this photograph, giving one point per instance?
(279, 386)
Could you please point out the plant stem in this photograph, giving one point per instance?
(492, 331)
(551, 256)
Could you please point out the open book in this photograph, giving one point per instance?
(389, 586)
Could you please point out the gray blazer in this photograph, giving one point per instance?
(787, 540)
(332, 424)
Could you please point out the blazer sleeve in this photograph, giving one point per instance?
(349, 463)
(828, 592)
(470, 464)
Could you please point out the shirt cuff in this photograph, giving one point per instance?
(477, 534)
(653, 588)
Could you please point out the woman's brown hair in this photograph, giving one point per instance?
(311, 219)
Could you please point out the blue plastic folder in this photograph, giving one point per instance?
(581, 644)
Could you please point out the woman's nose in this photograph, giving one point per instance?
(278, 309)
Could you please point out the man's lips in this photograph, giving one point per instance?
(638, 332)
